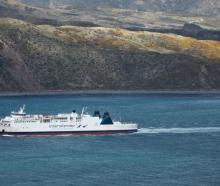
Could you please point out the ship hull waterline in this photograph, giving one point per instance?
(69, 133)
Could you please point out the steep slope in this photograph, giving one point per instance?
(196, 7)
(69, 58)
(70, 13)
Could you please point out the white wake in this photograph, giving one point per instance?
(178, 130)
(7, 135)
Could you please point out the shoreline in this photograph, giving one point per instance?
(110, 92)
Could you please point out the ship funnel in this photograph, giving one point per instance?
(106, 119)
(97, 114)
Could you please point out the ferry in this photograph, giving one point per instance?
(22, 124)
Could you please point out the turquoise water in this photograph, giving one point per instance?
(178, 143)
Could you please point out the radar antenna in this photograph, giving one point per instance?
(22, 109)
(83, 110)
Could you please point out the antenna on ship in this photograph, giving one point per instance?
(22, 109)
(83, 110)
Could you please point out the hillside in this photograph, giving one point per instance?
(71, 58)
(120, 44)
(195, 7)
(100, 14)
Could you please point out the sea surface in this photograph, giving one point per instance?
(178, 143)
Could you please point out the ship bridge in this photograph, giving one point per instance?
(20, 113)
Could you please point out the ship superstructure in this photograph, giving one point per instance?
(21, 123)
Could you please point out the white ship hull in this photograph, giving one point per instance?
(62, 124)
(67, 129)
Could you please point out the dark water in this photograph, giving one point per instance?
(178, 144)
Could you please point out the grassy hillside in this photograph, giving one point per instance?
(146, 41)
(124, 40)
(126, 44)
(69, 57)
